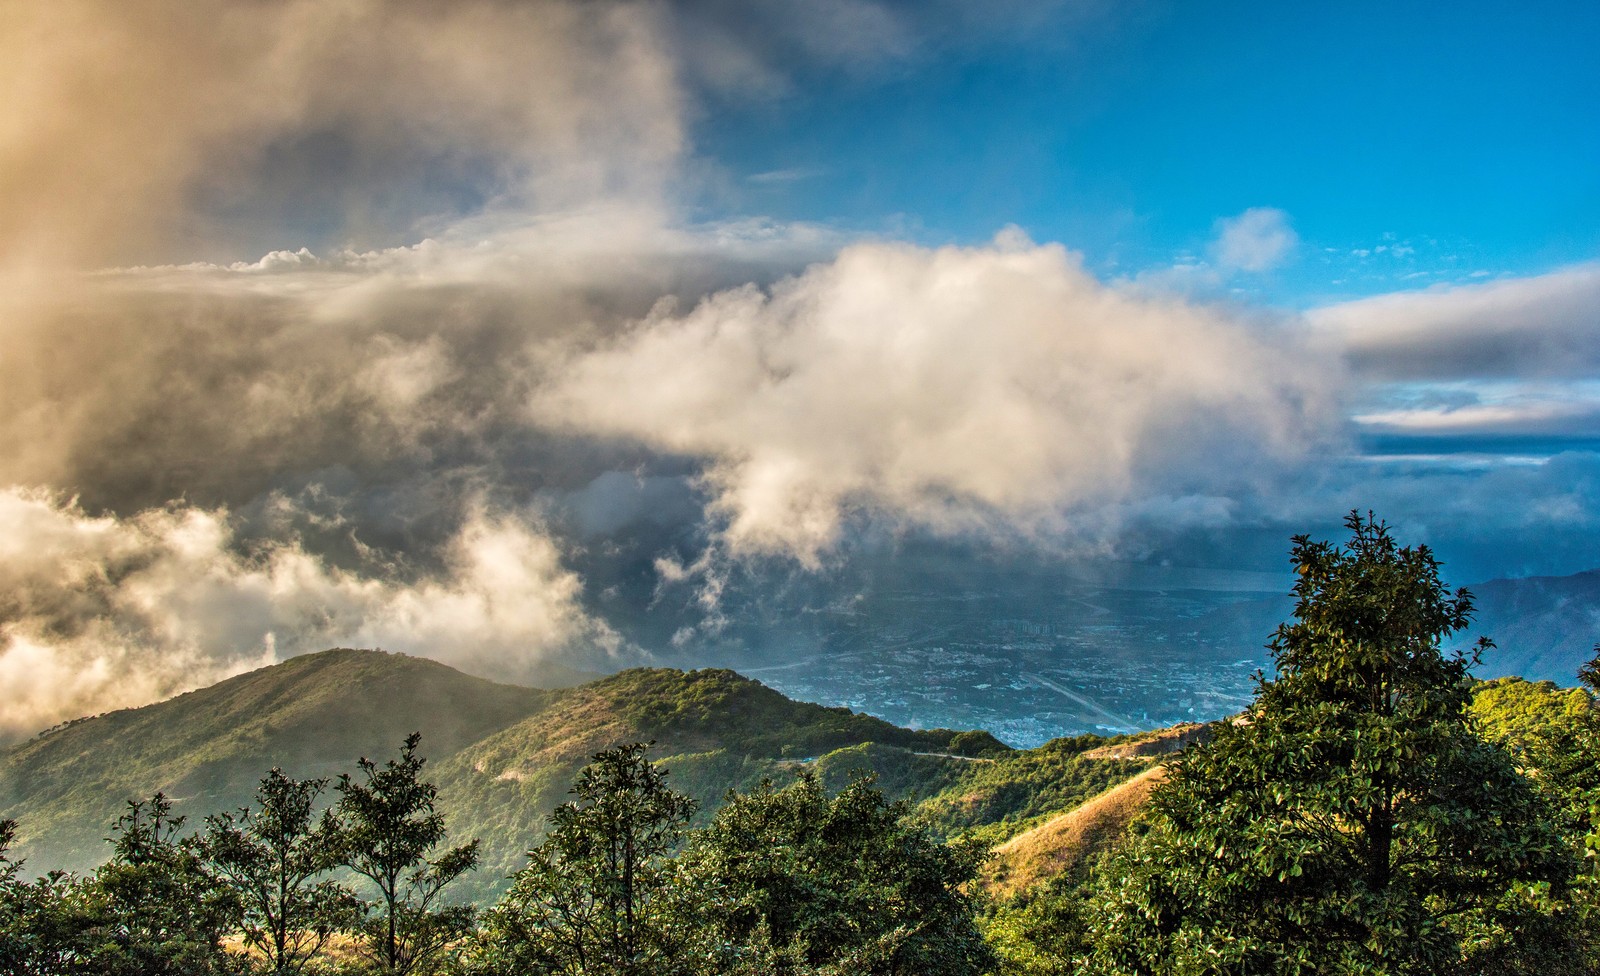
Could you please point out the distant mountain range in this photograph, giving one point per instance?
(1544, 627)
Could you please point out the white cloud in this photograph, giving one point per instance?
(102, 613)
(997, 388)
(1485, 418)
(1259, 239)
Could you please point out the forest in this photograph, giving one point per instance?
(1375, 810)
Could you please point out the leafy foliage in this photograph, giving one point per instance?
(1352, 821)
(1524, 716)
(592, 897)
(795, 881)
(269, 859)
(1042, 933)
(152, 909)
(388, 832)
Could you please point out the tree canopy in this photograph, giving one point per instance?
(1351, 820)
(592, 897)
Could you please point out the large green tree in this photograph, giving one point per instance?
(1351, 821)
(591, 898)
(152, 909)
(389, 833)
(794, 881)
(272, 859)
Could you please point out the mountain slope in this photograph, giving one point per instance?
(312, 715)
(713, 730)
(502, 756)
(1544, 627)
(1059, 844)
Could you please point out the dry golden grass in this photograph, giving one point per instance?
(1161, 742)
(1035, 856)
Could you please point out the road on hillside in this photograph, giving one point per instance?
(1113, 720)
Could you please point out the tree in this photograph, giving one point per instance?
(388, 832)
(1041, 932)
(1350, 820)
(793, 881)
(14, 906)
(269, 859)
(151, 909)
(590, 899)
(1563, 752)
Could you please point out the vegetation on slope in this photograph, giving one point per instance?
(714, 730)
(1523, 715)
(312, 715)
(1071, 841)
(992, 801)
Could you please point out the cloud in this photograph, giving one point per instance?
(101, 612)
(234, 124)
(987, 389)
(408, 343)
(346, 435)
(1495, 410)
(1259, 239)
(404, 365)
(142, 132)
(1545, 326)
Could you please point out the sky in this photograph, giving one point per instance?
(530, 332)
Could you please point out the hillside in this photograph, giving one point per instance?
(312, 715)
(1544, 627)
(713, 730)
(1066, 841)
(1518, 714)
(502, 756)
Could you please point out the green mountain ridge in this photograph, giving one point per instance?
(503, 756)
(713, 730)
(313, 715)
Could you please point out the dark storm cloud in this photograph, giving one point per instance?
(1540, 327)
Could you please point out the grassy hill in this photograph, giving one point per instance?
(713, 730)
(1070, 839)
(502, 756)
(312, 715)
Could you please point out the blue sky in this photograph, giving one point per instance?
(1463, 132)
(492, 329)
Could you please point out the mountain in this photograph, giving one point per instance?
(1544, 627)
(502, 756)
(712, 730)
(312, 715)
